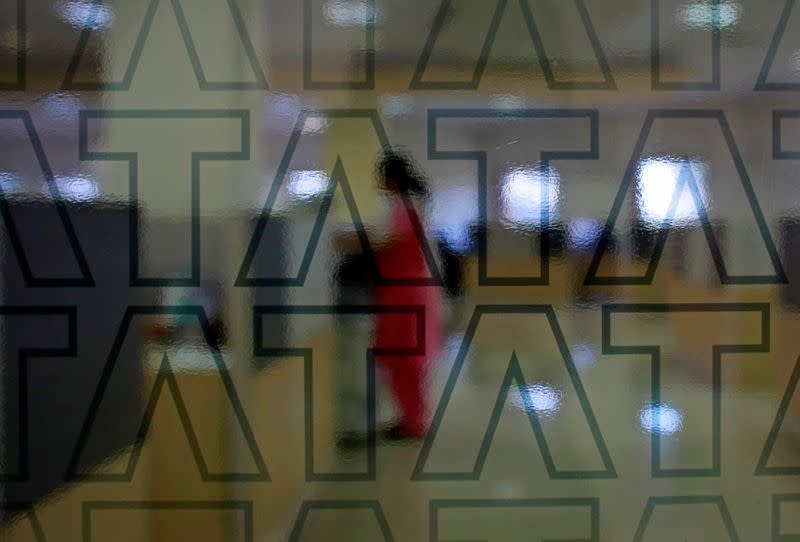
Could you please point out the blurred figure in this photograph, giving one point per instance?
(399, 255)
(453, 263)
(353, 280)
(173, 328)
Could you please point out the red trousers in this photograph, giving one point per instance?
(407, 372)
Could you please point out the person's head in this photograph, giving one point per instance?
(398, 173)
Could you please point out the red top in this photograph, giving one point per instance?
(403, 258)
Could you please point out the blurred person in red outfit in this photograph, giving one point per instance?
(399, 255)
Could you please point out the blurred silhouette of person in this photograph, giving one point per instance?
(353, 279)
(453, 259)
(399, 255)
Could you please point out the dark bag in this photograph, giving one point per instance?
(355, 271)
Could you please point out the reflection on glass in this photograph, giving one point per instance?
(396, 105)
(77, 187)
(10, 183)
(454, 211)
(705, 14)
(543, 399)
(233, 218)
(304, 185)
(315, 125)
(660, 180)
(283, 104)
(582, 356)
(583, 233)
(506, 101)
(349, 12)
(82, 13)
(662, 419)
(526, 193)
(61, 106)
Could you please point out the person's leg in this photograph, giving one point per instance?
(407, 373)
(408, 386)
(351, 340)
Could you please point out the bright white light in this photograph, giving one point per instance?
(453, 344)
(315, 125)
(454, 211)
(662, 419)
(307, 184)
(283, 105)
(349, 12)
(658, 179)
(506, 101)
(85, 14)
(396, 105)
(526, 193)
(582, 356)
(61, 106)
(282, 111)
(544, 400)
(583, 233)
(10, 183)
(702, 14)
(78, 187)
